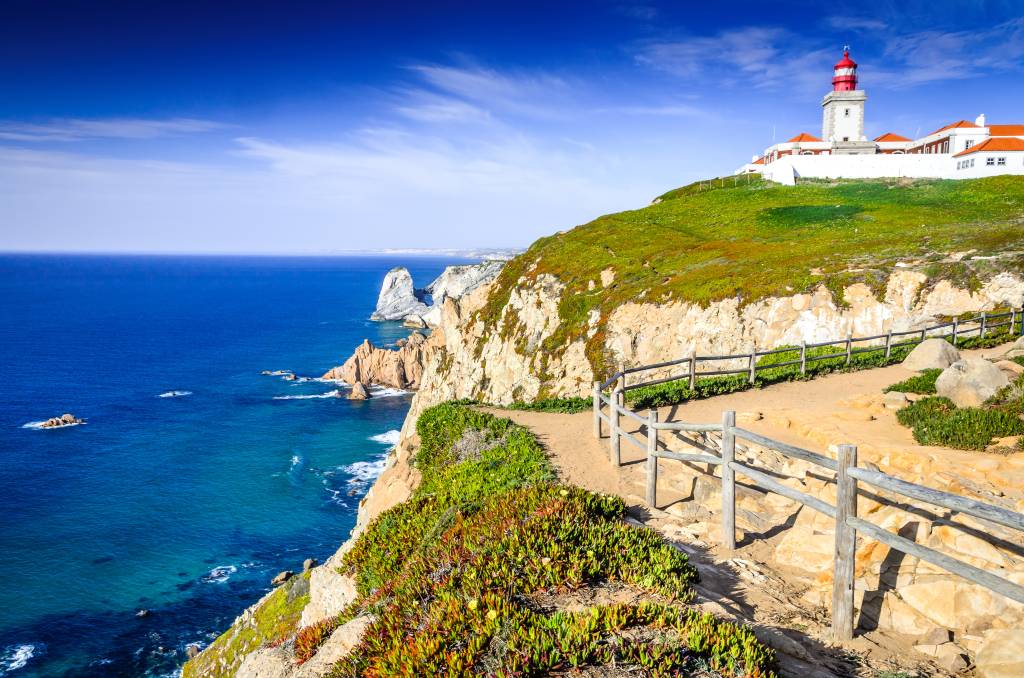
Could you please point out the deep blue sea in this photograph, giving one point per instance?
(185, 505)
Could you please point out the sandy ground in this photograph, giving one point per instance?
(745, 584)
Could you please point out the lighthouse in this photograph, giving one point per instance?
(843, 110)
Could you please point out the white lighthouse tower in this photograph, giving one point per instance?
(843, 110)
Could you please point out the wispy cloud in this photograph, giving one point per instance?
(77, 129)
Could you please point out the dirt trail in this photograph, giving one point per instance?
(747, 584)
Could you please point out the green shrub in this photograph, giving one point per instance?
(449, 573)
(923, 383)
(560, 405)
(936, 421)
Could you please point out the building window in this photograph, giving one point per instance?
(945, 146)
(968, 144)
(846, 112)
(846, 138)
(972, 162)
(990, 161)
(1001, 161)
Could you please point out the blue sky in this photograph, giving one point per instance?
(306, 127)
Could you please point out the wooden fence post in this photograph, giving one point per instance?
(728, 481)
(923, 331)
(753, 363)
(849, 347)
(1013, 319)
(597, 410)
(984, 322)
(693, 368)
(613, 424)
(652, 460)
(888, 344)
(846, 545)
(956, 329)
(803, 358)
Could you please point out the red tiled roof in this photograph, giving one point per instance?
(995, 144)
(955, 125)
(891, 136)
(803, 136)
(759, 161)
(1006, 130)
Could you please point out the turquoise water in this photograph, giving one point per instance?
(184, 505)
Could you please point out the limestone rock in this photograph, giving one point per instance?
(398, 298)
(282, 577)
(1016, 350)
(970, 382)
(457, 281)
(894, 400)
(399, 368)
(63, 420)
(931, 354)
(414, 321)
(308, 564)
(1001, 654)
(359, 392)
(1011, 369)
(330, 592)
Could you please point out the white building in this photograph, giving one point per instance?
(960, 150)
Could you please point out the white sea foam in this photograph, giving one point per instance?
(174, 394)
(389, 438)
(330, 394)
(219, 574)
(365, 472)
(296, 460)
(15, 657)
(38, 426)
(385, 392)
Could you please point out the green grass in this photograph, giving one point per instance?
(923, 383)
(753, 241)
(936, 421)
(449, 573)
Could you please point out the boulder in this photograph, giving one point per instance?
(931, 354)
(192, 651)
(894, 400)
(359, 392)
(414, 321)
(282, 577)
(308, 564)
(1016, 350)
(1011, 369)
(398, 298)
(1001, 654)
(970, 382)
(62, 420)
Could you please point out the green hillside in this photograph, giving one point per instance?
(757, 240)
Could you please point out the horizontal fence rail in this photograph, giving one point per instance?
(610, 409)
(955, 330)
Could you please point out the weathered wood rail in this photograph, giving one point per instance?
(610, 408)
(955, 330)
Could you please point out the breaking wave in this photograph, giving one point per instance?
(174, 394)
(389, 438)
(330, 394)
(15, 657)
(219, 574)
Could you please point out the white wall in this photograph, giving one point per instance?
(787, 169)
(1014, 165)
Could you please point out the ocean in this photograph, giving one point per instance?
(195, 478)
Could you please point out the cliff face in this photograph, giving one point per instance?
(466, 360)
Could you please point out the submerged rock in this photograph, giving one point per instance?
(63, 420)
(398, 298)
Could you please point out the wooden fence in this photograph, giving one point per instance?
(955, 330)
(610, 408)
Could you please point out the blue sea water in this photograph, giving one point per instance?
(184, 505)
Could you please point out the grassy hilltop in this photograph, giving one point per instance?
(756, 240)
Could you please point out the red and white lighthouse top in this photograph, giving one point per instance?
(844, 76)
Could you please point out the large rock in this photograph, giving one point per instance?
(970, 382)
(1016, 350)
(400, 368)
(398, 298)
(457, 281)
(932, 354)
(1001, 654)
(359, 392)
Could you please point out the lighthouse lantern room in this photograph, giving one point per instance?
(843, 110)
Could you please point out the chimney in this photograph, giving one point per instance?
(980, 120)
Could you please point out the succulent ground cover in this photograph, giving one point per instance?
(937, 421)
(757, 240)
(922, 384)
(451, 576)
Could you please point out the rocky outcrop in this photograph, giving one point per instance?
(931, 354)
(62, 420)
(399, 368)
(497, 360)
(359, 392)
(970, 382)
(398, 298)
